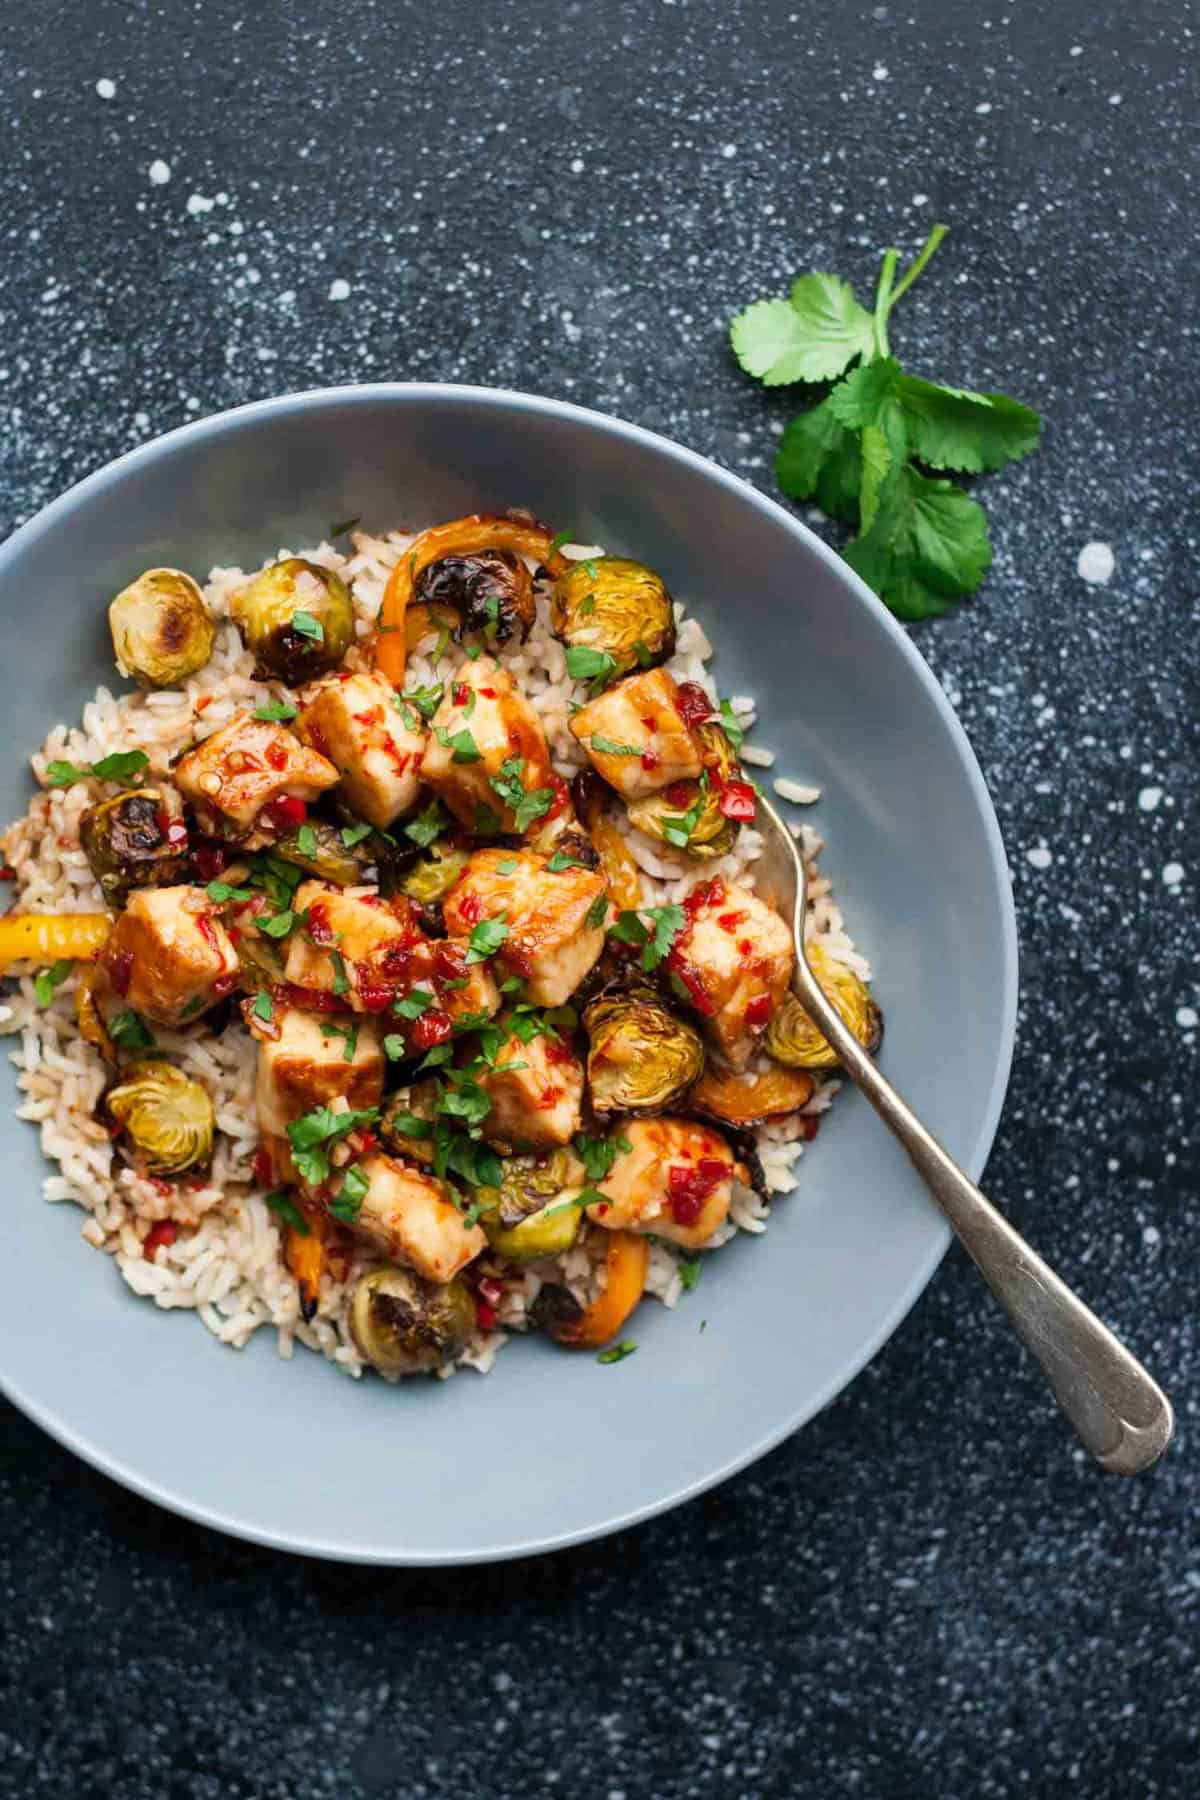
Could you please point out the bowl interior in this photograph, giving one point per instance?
(551, 1447)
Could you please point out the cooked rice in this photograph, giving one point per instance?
(226, 1264)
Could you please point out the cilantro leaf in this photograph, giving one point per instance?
(462, 743)
(427, 825)
(599, 1154)
(953, 428)
(597, 912)
(811, 336)
(46, 984)
(308, 625)
(282, 1204)
(927, 545)
(732, 726)
(486, 938)
(130, 1032)
(669, 921)
(413, 1004)
(351, 1194)
(586, 664)
(561, 859)
(606, 747)
(618, 1352)
(220, 891)
(689, 1272)
(275, 709)
(354, 834)
(263, 1007)
(425, 699)
(627, 928)
(120, 765)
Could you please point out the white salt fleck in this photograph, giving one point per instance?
(728, 150)
(1149, 798)
(1187, 1017)
(1114, 99)
(920, 199)
(985, 106)
(200, 203)
(106, 88)
(879, 73)
(1173, 874)
(159, 172)
(577, 165)
(141, 420)
(1151, 1236)
(339, 289)
(1076, 49)
(1096, 564)
(1039, 857)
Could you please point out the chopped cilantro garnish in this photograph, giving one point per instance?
(413, 1004)
(733, 730)
(425, 699)
(486, 938)
(599, 1154)
(689, 1272)
(263, 1006)
(349, 1033)
(130, 1032)
(619, 1352)
(279, 924)
(351, 1194)
(597, 912)
(220, 891)
(308, 626)
(606, 747)
(121, 765)
(46, 984)
(507, 867)
(354, 834)
(427, 825)
(341, 981)
(281, 1203)
(461, 743)
(586, 664)
(275, 710)
(561, 859)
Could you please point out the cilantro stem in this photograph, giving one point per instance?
(883, 302)
(923, 255)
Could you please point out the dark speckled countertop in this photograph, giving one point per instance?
(927, 1593)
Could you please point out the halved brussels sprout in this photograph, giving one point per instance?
(404, 1325)
(694, 807)
(747, 1100)
(490, 590)
(641, 1056)
(792, 1038)
(297, 618)
(161, 629)
(321, 849)
(435, 874)
(616, 606)
(132, 841)
(167, 1118)
(531, 1215)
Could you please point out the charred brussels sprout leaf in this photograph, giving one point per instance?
(619, 609)
(166, 1118)
(490, 591)
(744, 1101)
(435, 874)
(641, 1057)
(406, 1326)
(297, 618)
(161, 629)
(536, 1211)
(321, 849)
(130, 841)
(688, 814)
(792, 1038)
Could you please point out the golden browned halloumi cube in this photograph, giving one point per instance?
(169, 957)
(355, 722)
(536, 1091)
(451, 990)
(354, 946)
(241, 779)
(554, 921)
(653, 744)
(409, 1216)
(735, 958)
(675, 1181)
(504, 743)
(312, 1059)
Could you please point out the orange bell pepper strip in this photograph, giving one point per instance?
(459, 537)
(304, 1254)
(627, 1258)
(617, 860)
(52, 937)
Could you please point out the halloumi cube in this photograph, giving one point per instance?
(554, 921)
(654, 745)
(357, 722)
(503, 742)
(237, 775)
(675, 1180)
(355, 946)
(305, 1064)
(409, 1216)
(168, 958)
(735, 957)
(536, 1091)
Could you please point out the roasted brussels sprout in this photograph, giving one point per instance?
(531, 1214)
(407, 1113)
(166, 1117)
(617, 606)
(641, 1057)
(491, 591)
(297, 618)
(321, 849)
(694, 809)
(792, 1038)
(435, 874)
(161, 629)
(404, 1325)
(132, 841)
(748, 1100)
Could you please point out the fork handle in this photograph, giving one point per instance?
(1120, 1413)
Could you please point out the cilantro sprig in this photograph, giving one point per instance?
(862, 452)
(122, 765)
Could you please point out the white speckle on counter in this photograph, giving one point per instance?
(1151, 1236)
(1039, 857)
(879, 73)
(199, 203)
(1173, 874)
(1096, 564)
(1114, 99)
(159, 172)
(728, 150)
(920, 199)
(1187, 1017)
(105, 88)
(1149, 798)
(985, 106)
(339, 289)
(577, 165)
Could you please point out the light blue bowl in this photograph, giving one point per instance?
(551, 1448)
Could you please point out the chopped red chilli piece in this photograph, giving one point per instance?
(7, 874)
(688, 1188)
(737, 801)
(433, 1027)
(120, 970)
(277, 756)
(208, 860)
(758, 1011)
(374, 998)
(692, 982)
(692, 703)
(678, 794)
(486, 1317)
(487, 693)
(460, 693)
(287, 811)
(264, 1167)
(471, 909)
(207, 930)
(650, 721)
(165, 1232)
(319, 928)
(731, 920)
(650, 760)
